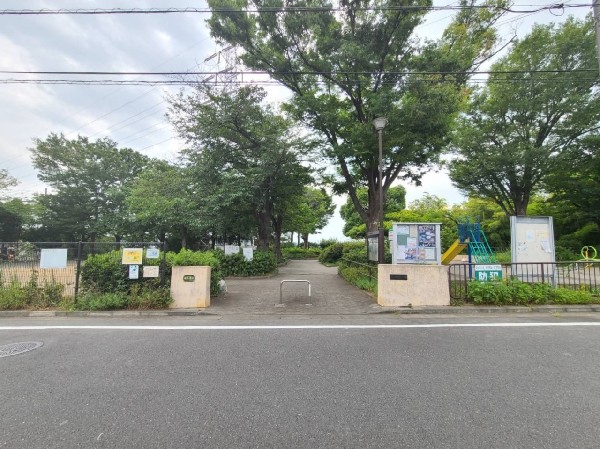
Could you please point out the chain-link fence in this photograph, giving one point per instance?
(47, 263)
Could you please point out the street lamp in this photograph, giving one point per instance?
(379, 123)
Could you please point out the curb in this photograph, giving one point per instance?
(378, 310)
(460, 310)
(102, 314)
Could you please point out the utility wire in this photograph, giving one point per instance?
(262, 82)
(290, 72)
(287, 9)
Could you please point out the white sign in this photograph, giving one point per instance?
(231, 249)
(152, 253)
(134, 272)
(150, 271)
(53, 258)
(248, 253)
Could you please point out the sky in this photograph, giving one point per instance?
(134, 116)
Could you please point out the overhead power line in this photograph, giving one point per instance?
(263, 82)
(290, 72)
(287, 9)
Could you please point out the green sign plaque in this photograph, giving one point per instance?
(189, 278)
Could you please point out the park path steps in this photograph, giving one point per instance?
(331, 294)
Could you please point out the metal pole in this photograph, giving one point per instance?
(78, 269)
(596, 7)
(381, 241)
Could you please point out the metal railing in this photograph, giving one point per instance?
(574, 275)
(369, 270)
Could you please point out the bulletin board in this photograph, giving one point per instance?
(532, 239)
(416, 243)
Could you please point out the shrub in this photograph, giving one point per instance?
(92, 300)
(143, 297)
(105, 273)
(358, 277)
(14, 296)
(332, 253)
(516, 292)
(263, 263)
(327, 242)
(295, 252)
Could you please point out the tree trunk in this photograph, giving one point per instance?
(117, 242)
(305, 238)
(277, 225)
(184, 237)
(264, 229)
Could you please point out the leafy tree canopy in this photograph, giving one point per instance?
(541, 102)
(349, 63)
(88, 180)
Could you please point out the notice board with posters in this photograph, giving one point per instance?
(532, 248)
(532, 239)
(416, 243)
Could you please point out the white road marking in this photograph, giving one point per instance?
(309, 326)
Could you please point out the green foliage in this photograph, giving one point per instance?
(263, 263)
(332, 253)
(244, 157)
(354, 227)
(515, 133)
(312, 54)
(105, 273)
(358, 277)
(145, 297)
(93, 300)
(565, 254)
(89, 181)
(295, 252)
(327, 242)
(515, 292)
(14, 296)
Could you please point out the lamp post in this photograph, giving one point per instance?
(379, 123)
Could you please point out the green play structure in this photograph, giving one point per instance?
(472, 237)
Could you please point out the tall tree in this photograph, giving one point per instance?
(244, 156)
(349, 63)
(162, 201)
(577, 182)
(87, 179)
(310, 212)
(6, 180)
(354, 228)
(541, 101)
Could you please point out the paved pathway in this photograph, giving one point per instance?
(331, 294)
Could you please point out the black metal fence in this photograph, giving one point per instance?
(574, 275)
(26, 262)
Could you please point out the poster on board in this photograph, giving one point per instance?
(416, 243)
(132, 256)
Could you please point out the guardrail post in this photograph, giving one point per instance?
(292, 280)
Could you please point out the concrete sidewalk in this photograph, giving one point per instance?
(330, 293)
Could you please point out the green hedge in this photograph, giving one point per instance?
(104, 273)
(262, 263)
(516, 292)
(295, 252)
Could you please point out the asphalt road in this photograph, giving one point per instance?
(448, 386)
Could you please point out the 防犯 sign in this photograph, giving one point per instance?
(486, 273)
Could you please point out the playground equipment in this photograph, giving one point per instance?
(472, 237)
